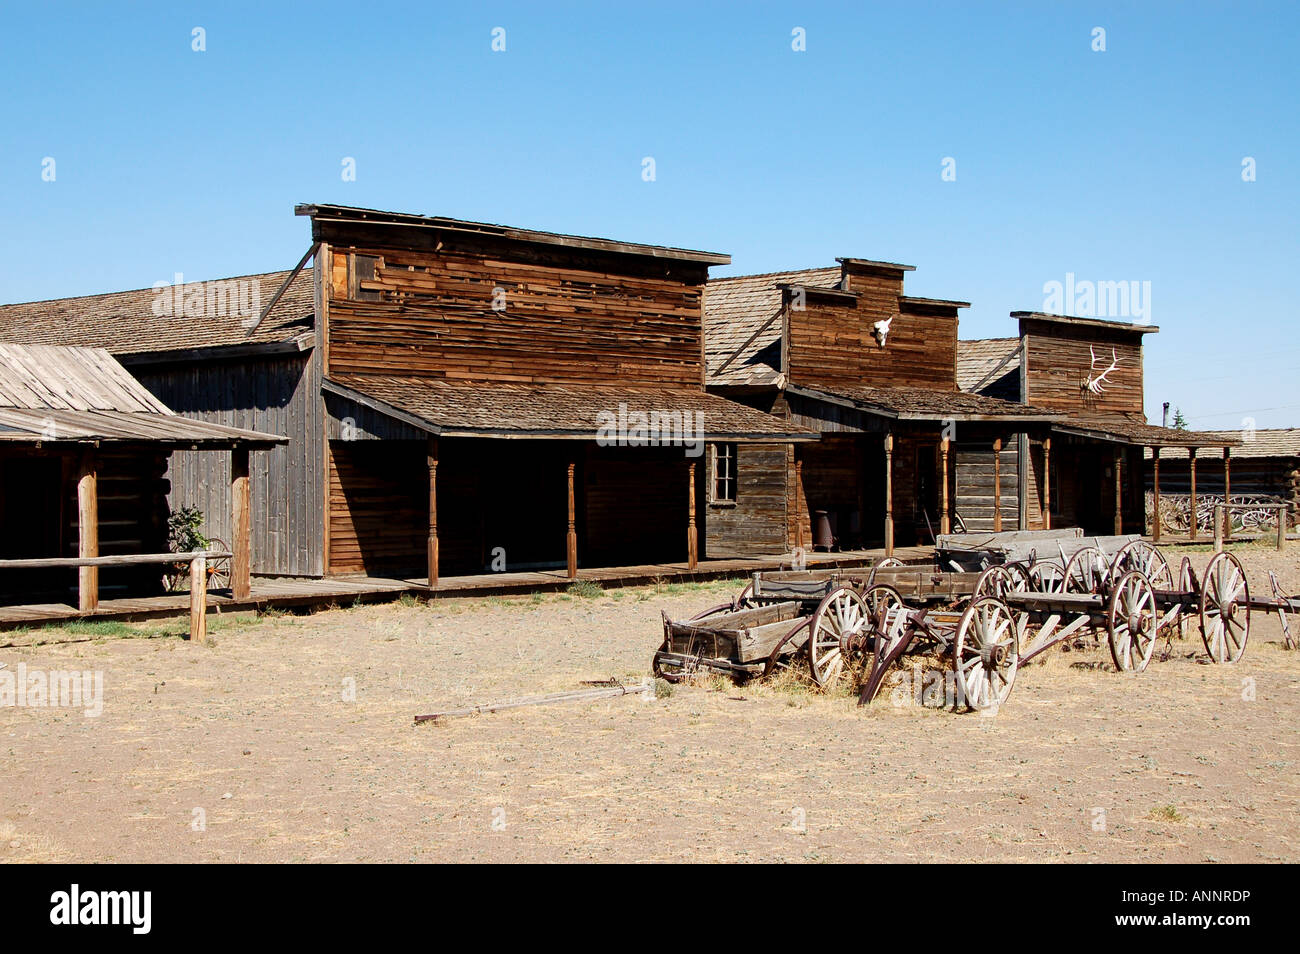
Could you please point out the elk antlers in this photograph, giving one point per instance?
(1094, 383)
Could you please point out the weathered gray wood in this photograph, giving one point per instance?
(576, 696)
(124, 559)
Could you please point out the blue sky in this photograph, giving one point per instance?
(1122, 165)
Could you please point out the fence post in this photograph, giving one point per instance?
(1281, 526)
(199, 599)
(1219, 513)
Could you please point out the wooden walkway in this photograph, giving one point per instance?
(270, 592)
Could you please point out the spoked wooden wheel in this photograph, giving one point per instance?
(1185, 583)
(1147, 560)
(1086, 571)
(884, 564)
(1046, 577)
(998, 581)
(745, 598)
(836, 629)
(986, 654)
(1131, 622)
(1225, 609)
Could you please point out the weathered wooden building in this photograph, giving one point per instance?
(458, 397)
(904, 453)
(1266, 463)
(1087, 471)
(84, 449)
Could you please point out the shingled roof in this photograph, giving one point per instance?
(546, 410)
(1126, 430)
(124, 323)
(931, 404)
(742, 336)
(990, 366)
(1269, 442)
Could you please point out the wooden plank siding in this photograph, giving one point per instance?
(430, 314)
(277, 394)
(1059, 363)
(973, 485)
(756, 521)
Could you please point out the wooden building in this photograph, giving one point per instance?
(458, 397)
(1087, 471)
(83, 453)
(1266, 463)
(904, 453)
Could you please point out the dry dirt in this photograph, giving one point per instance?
(1186, 762)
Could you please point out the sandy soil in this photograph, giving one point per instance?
(1186, 762)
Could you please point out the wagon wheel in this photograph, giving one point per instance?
(1046, 577)
(745, 598)
(1225, 609)
(661, 673)
(712, 611)
(219, 570)
(882, 565)
(1147, 560)
(837, 627)
(986, 654)
(1020, 570)
(1131, 621)
(997, 581)
(1085, 572)
(1186, 583)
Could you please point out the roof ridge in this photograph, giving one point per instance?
(785, 271)
(150, 288)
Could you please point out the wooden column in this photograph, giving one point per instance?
(945, 522)
(432, 460)
(87, 530)
(1047, 483)
(889, 494)
(1227, 492)
(1191, 464)
(242, 560)
(1155, 494)
(798, 502)
(692, 540)
(1119, 491)
(199, 600)
(997, 485)
(571, 544)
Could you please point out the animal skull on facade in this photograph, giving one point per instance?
(881, 329)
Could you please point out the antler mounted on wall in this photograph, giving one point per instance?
(1094, 382)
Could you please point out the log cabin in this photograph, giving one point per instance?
(84, 449)
(1088, 470)
(904, 453)
(458, 397)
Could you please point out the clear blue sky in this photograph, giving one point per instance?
(1115, 165)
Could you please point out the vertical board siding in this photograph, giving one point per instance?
(756, 523)
(974, 484)
(277, 395)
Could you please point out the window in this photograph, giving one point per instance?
(724, 473)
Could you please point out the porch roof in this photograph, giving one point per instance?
(930, 404)
(555, 411)
(1119, 429)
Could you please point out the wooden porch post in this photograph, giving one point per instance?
(1155, 494)
(1191, 463)
(692, 541)
(1227, 492)
(945, 522)
(432, 461)
(1047, 483)
(242, 557)
(798, 502)
(571, 545)
(87, 530)
(889, 494)
(997, 485)
(1119, 491)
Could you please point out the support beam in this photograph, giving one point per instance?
(1047, 483)
(1227, 492)
(997, 485)
(1191, 464)
(571, 542)
(88, 530)
(692, 539)
(1119, 491)
(798, 503)
(1155, 494)
(199, 600)
(431, 455)
(241, 562)
(945, 520)
(889, 494)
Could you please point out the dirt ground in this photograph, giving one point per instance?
(251, 749)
